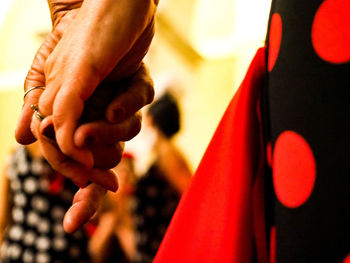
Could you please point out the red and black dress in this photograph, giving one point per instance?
(274, 183)
(306, 113)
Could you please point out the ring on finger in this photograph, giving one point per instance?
(37, 113)
(31, 89)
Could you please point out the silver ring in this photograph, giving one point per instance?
(37, 114)
(32, 88)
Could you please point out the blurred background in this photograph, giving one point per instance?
(200, 52)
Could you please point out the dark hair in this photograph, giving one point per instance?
(165, 114)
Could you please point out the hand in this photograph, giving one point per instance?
(142, 93)
(86, 54)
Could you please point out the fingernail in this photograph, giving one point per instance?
(118, 115)
(114, 187)
(49, 132)
(89, 141)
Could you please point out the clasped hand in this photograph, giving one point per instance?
(95, 84)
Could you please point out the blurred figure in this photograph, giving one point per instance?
(113, 240)
(33, 203)
(158, 191)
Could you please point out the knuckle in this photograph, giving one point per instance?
(57, 164)
(149, 92)
(135, 127)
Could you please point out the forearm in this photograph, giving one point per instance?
(100, 242)
(174, 167)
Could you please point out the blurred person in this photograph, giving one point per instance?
(34, 200)
(113, 240)
(157, 193)
(73, 60)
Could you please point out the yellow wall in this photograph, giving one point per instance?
(10, 103)
(20, 35)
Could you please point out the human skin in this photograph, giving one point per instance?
(72, 55)
(71, 63)
(86, 57)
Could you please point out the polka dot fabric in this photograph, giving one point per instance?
(306, 122)
(36, 234)
(275, 39)
(294, 169)
(155, 204)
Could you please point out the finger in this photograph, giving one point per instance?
(104, 178)
(34, 78)
(44, 132)
(139, 94)
(23, 131)
(67, 109)
(107, 156)
(101, 132)
(78, 173)
(85, 203)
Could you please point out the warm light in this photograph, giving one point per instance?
(223, 27)
(4, 6)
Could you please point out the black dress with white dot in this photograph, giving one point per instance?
(39, 200)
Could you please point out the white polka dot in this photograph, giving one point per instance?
(16, 185)
(67, 195)
(32, 218)
(23, 167)
(58, 229)
(16, 232)
(43, 226)
(29, 238)
(138, 257)
(37, 167)
(59, 244)
(28, 256)
(74, 251)
(142, 238)
(11, 173)
(14, 251)
(139, 220)
(20, 199)
(21, 153)
(152, 192)
(150, 211)
(30, 185)
(57, 212)
(40, 204)
(4, 248)
(133, 204)
(42, 243)
(17, 215)
(42, 257)
(78, 235)
(44, 185)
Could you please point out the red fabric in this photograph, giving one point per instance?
(216, 220)
(56, 184)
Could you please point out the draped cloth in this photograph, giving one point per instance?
(220, 218)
